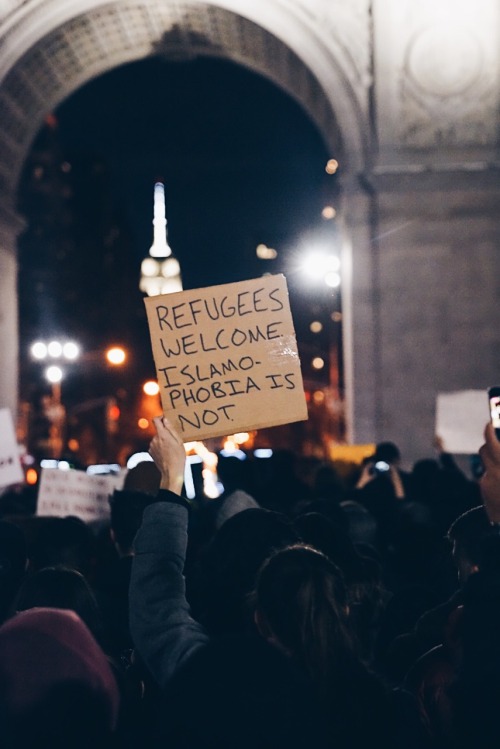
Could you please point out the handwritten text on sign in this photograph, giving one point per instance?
(226, 358)
(84, 495)
(10, 464)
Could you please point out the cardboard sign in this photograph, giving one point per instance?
(460, 420)
(11, 471)
(226, 358)
(63, 493)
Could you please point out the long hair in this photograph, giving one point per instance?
(302, 597)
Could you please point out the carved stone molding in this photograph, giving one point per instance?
(448, 90)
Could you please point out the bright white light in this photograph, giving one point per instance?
(263, 452)
(54, 374)
(64, 465)
(317, 264)
(332, 280)
(233, 454)
(150, 267)
(55, 349)
(332, 263)
(318, 362)
(137, 458)
(151, 387)
(313, 265)
(71, 350)
(104, 468)
(170, 268)
(39, 350)
(170, 285)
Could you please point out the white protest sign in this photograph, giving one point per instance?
(460, 420)
(226, 358)
(70, 492)
(11, 471)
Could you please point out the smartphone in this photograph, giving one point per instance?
(494, 400)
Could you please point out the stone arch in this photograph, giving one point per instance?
(50, 49)
(53, 52)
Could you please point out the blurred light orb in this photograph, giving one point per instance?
(331, 166)
(39, 350)
(71, 350)
(318, 397)
(54, 374)
(316, 326)
(318, 362)
(116, 355)
(55, 349)
(137, 458)
(328, 212)
(316, 265)
(150, 267)
(332, 280)
(266, 253)
(143, 423)
(170, 268)
(151, 387)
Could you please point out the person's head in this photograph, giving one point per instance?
(467, 535)
(231, 562)
(127, 508)
(64, 541)
(57, 689)
(387, 452)
(144, 477)
(60, 588)
(301, 608)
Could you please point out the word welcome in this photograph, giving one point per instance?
(226, 357)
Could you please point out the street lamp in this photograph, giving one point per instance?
(52, 351)
(160, 271)
(55, 353)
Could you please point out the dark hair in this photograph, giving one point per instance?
(387, 451)
(469, 531)
(302, 596)
(127, 508)
(60, 588)
(227, 570)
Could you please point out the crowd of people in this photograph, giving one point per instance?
(299, 608)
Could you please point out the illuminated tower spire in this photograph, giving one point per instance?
(160, 271)
(160, 246)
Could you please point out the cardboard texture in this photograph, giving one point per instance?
(460, 420)
(226, 358)
(11, 471)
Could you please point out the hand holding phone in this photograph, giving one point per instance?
(494, 401)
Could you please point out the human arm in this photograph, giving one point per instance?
(161, 625)
(366, 476)
(397, 482)
(490, 481)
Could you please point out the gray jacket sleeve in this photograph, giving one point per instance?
(161, 625)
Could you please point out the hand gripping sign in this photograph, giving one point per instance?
(226, 358)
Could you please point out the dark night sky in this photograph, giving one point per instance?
(242, 165)
(241, 161)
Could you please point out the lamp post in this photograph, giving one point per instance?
(160, 271)
(55, 354)
(55, 351)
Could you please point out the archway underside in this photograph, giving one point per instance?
(117, 33)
